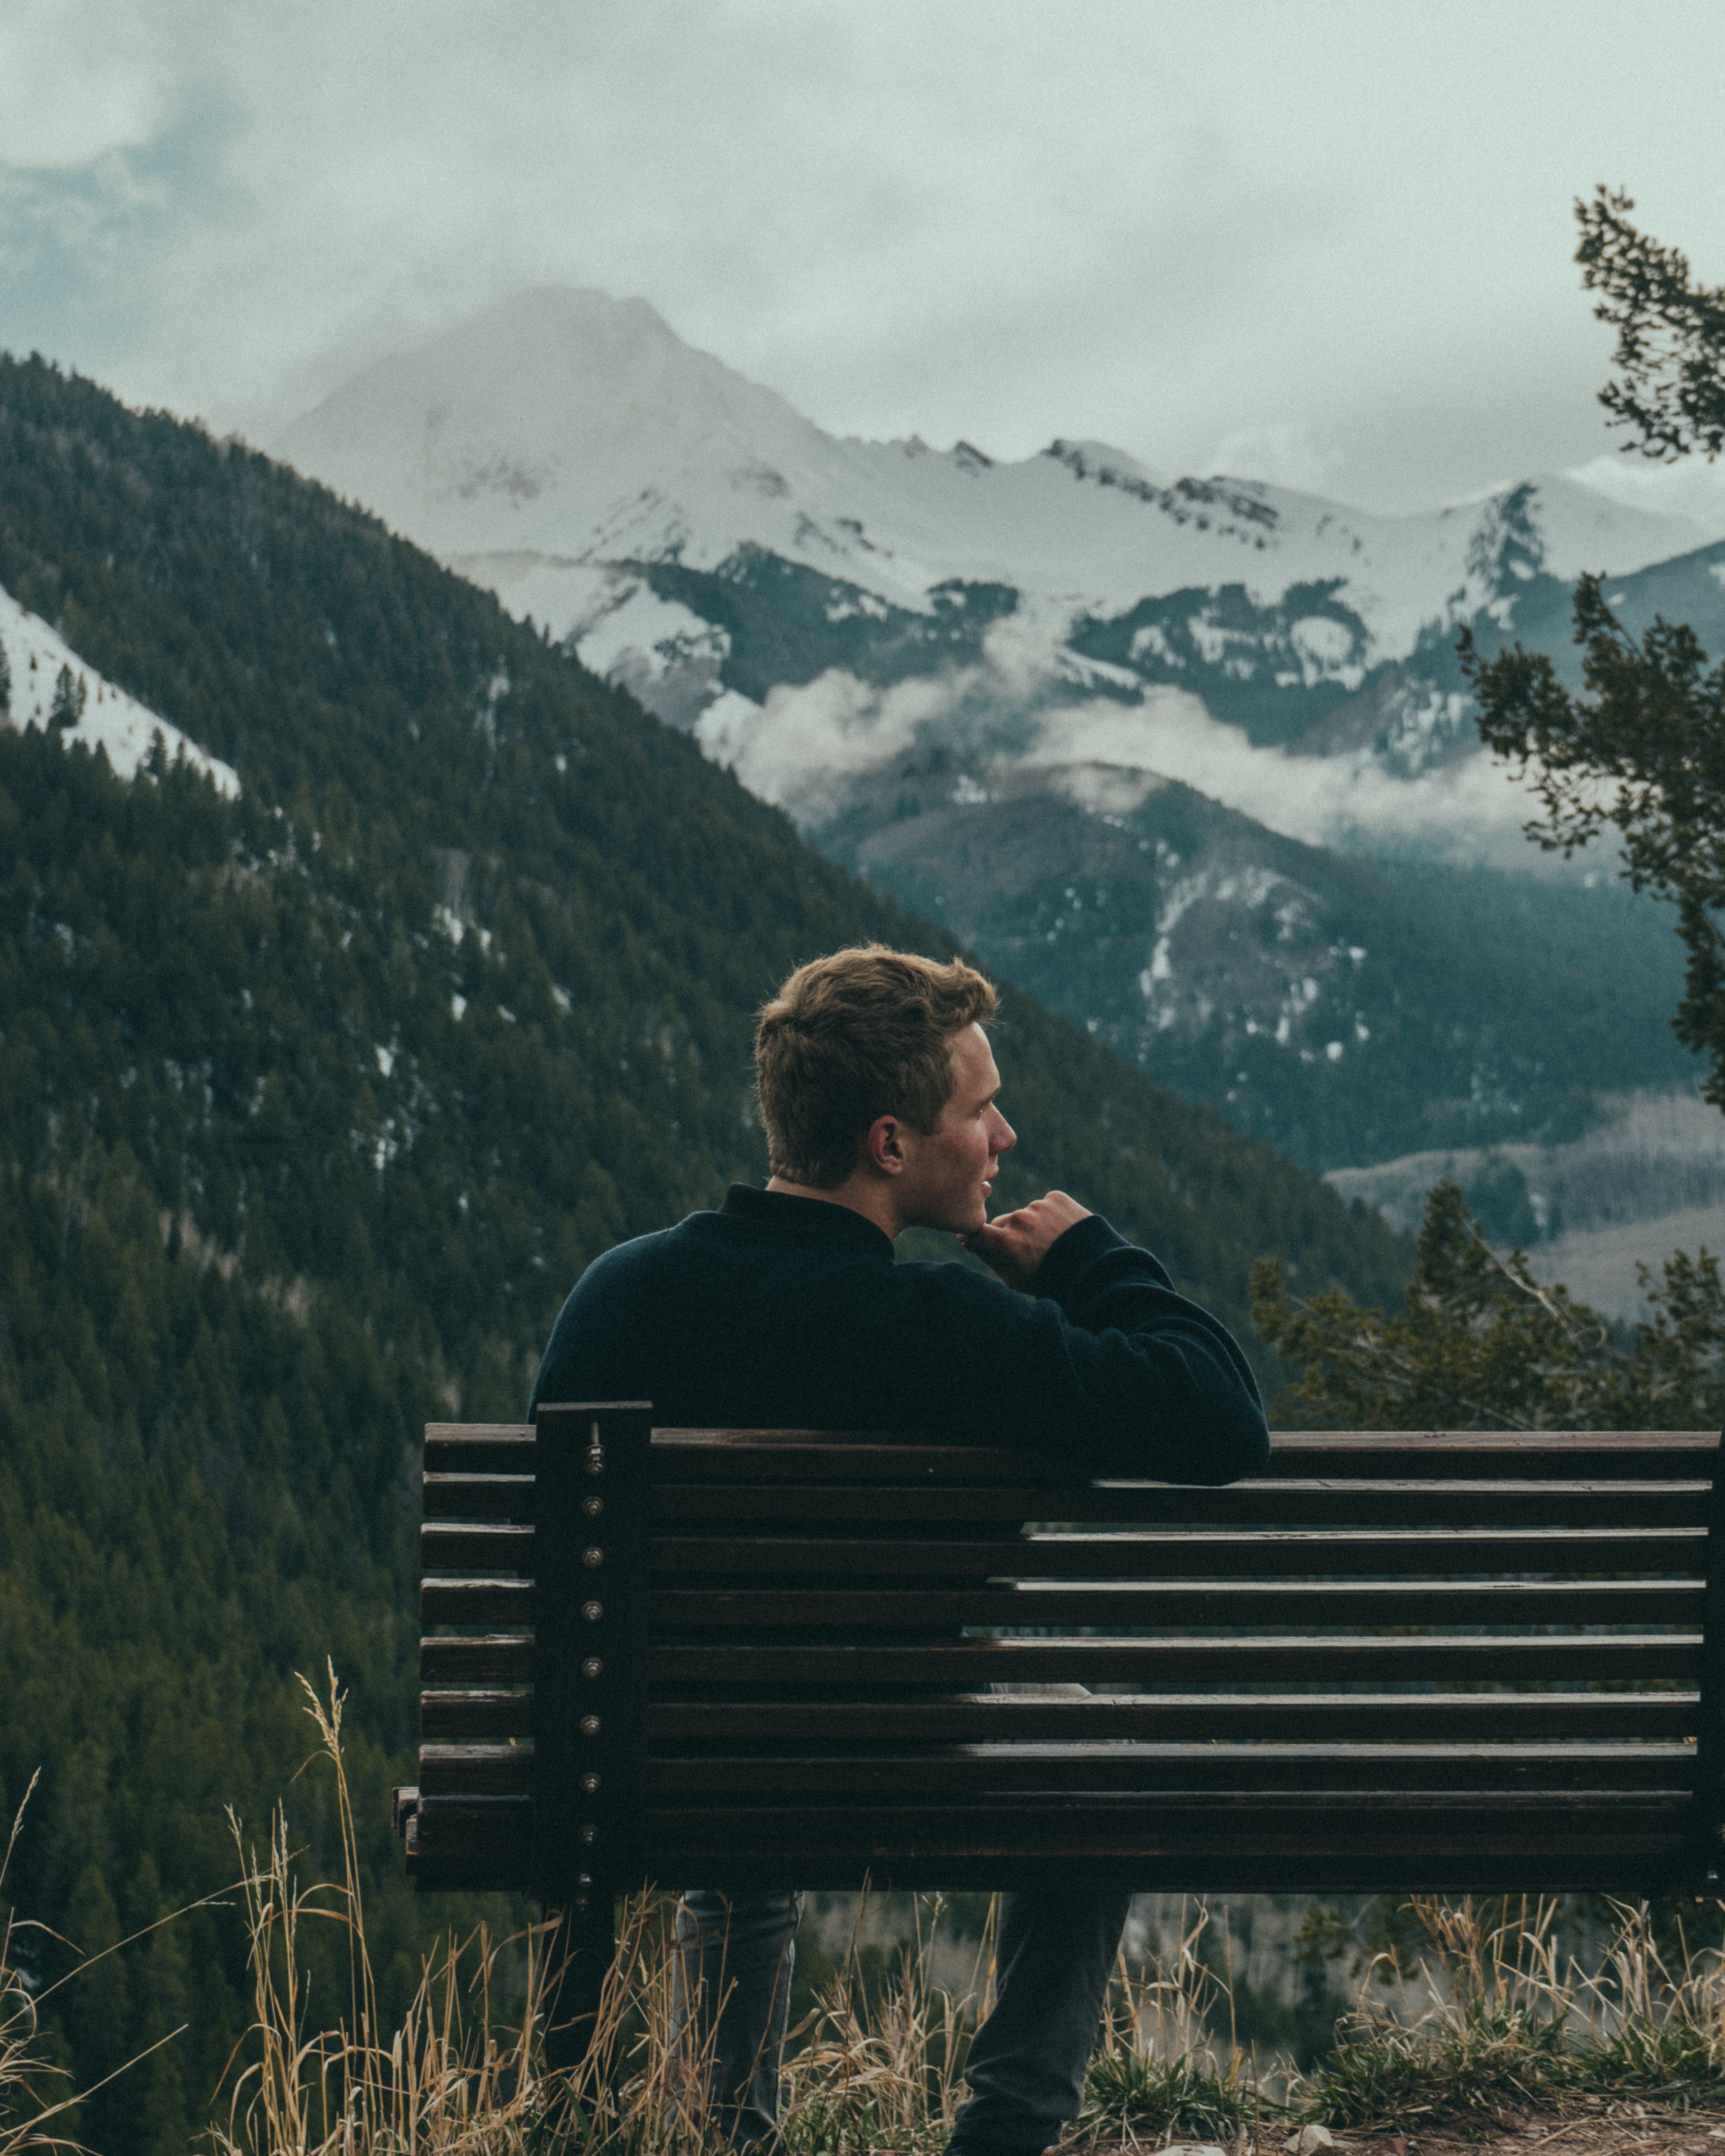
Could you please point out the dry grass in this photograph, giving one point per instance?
(1489, 2020)
(447, 2082)
(887, 2075)
(1157, 2071)
(1508, 2023)
(35, 2101)
(30, 2098)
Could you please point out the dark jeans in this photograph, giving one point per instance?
(1053, 1958)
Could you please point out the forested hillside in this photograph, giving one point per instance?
(312, 1105)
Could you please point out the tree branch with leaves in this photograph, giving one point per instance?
(1642, 748)
(1481, 1345)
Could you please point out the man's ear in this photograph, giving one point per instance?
(881, 1145)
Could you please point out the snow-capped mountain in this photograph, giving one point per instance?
(973, 682)
(579, 430)
(780, 591)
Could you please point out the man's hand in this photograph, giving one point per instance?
(1015, 1245)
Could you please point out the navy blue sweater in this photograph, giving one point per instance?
(790, 1313)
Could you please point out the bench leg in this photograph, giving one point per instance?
(577, 1960)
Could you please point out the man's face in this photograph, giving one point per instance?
(950, 1170)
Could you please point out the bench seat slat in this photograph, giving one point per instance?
(499, 1604)
(493, 1770)
(839, 1668)
(480, 1716)
(1648, 1855)
(1678, 1504)
(474, 1448)
(1198, 1555)
(1311, 1605)
(974, 1718)
(478, 1497)
(1096, 1824)
(698, 1456)
(1151, 1770)
(502, 1658)
(446, 1549)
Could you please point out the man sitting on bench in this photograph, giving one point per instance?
(786, 1310)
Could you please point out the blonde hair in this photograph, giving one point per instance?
(865, 1033)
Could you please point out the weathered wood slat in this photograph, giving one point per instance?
(479, 1448)
(774, 1455)
(494, 1770)
(1652, 1856)
(450, 1815)
(444, 1548)
(504, 1659)
(1313, 1605)
(1403, 1505)
(499, 1604)
(840, 1670)
(1154, 1554)
(493, 1831)
(480, 1716)
(970, 1718)
(1155, 1770)
(1293, 1822)
(478, 1497)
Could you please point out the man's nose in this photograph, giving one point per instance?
(1004, 1138)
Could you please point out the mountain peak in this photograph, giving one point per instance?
(581, 430)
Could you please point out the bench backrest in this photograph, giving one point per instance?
(1438, 1659)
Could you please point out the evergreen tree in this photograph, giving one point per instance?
(66, 708)
(1641, 750)
(1481, 1344)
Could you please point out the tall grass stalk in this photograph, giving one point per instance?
(29, 2100)
(1508, 2027)
(885, 2075)
(446, 2081)
(1157, 2072)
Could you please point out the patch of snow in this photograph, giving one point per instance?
(660, 632)
(111, 720)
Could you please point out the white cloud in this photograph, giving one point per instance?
(806, 747)
(1689, 488)
(82, 80)
(1284, 453)
(1470, 807)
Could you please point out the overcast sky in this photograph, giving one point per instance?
(1312, 241)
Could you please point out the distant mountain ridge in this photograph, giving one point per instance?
(691, 535)
(581, 429)
(931, 658)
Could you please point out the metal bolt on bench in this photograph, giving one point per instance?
(1443, 1660)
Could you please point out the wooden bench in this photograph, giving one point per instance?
(1441, 1661)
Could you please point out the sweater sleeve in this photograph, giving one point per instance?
(1110, 1366)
